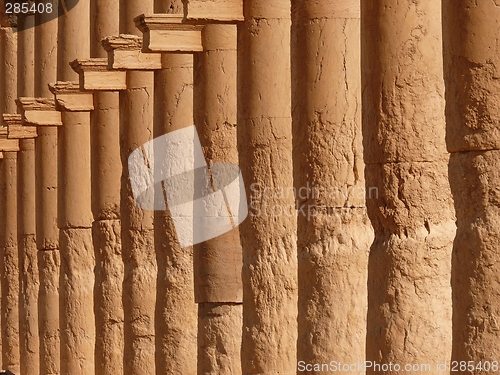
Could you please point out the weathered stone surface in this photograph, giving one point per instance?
(176, 311)
(334, 233)
(47, 232)
(168, 33)
(213, 10)
(218, 262)
(409, 294)
(474, 179)
(8, 80)
(69, 98)
(46, 188)
(9, 145)
(106, 175)
(74, 198)
(94, 75)
(140, 269)
(28, 304)
(76, 301)
(9, 265)
(403, 107)
(28, 264)
(472, 67)
(49, 264)
(333, 261)
(45, 51)
(328, 9)
(26, 55)
(406, 196)
(74, 184)
(219, 343)
(217, 267)
(108, 306)
(265, 151)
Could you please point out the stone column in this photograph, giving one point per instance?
(75, 229)
(28, 264)
(334, 233)
(8, 79)
(176, 311)
(139, 285)
(409, 199)
(268, 236)
(218, 262)
(26, 55)
(8, 220)
(74, 199)
(47, 232)
(45, 51)
(472, 65)
(9, 264)
(106, 174)
(28, 260)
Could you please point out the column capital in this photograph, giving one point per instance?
(16, 129)
(38, 112)
(8, 145)
(94, 75)
(125, 52)
(168, 33)
(69, 98)
(227, 11)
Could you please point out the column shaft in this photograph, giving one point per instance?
(9, 258)
(26, 55)
(409, 295)
(265, 147)
(139, 285)
(472, 65)
(334, 233)
(28, 264)
(74, 207)
(8, 80)
(47, 232)
(28, 261)
(176, 311)
(9, 266)
(106, 174)
(218, 262)
(45, 51)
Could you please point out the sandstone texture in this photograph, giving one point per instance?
(106, 229)
(367, 137)
(409, 292)
(9, 265)
(176, 311)
(218, 261)
(77, 325)
(28, 260)
(138, 252)
(49, 263)
(334, 233)
(471, 66)
(265, 154)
